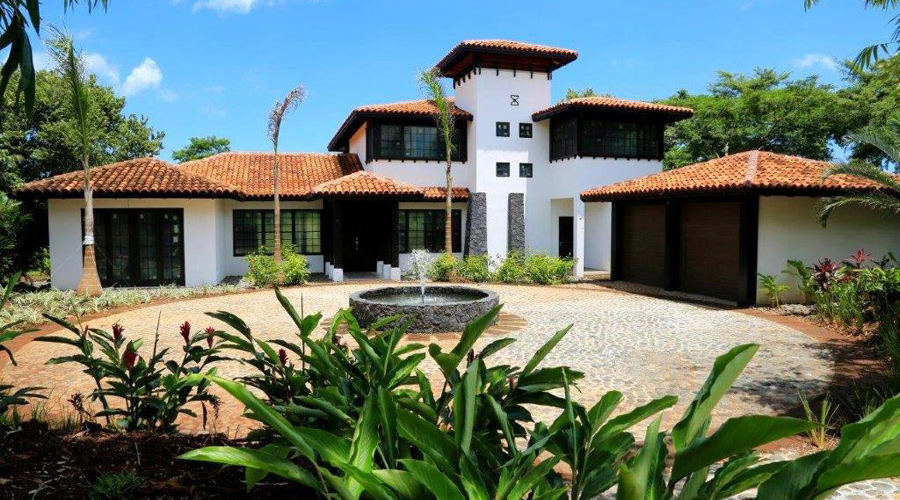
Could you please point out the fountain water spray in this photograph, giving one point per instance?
(419, 264)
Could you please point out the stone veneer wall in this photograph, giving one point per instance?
(515, 241)
(476, 225)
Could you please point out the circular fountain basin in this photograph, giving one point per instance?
(444, 308)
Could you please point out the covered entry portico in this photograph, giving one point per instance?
(361, 223)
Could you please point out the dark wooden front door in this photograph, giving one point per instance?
(360, 235)
(139, 247)
(566, 234)
(710, 249)
(644, 243)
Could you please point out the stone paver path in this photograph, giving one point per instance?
(643, 346)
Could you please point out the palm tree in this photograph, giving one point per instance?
(870, 55)
(887, 139)
(444, 118)
(290, 102)
(71, 67)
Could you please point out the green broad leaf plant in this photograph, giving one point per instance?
(137, 392)
(365, 421)
(9, 395)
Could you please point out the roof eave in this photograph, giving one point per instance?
(559, 109)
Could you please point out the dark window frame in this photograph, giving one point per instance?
(503, 129)
(432, 237)
(500, 165)
(526, 170)
(606, 137)
(268, 230)
(526, 130)
(408, 142)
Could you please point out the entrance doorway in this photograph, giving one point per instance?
(362, 230)
(566, 236)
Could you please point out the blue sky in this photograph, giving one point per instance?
(215, 67)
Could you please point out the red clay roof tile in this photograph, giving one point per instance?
(611, 104)
(750, 170)
(252, 172)
(138, 177)
(558, 55)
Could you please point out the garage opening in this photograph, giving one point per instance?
(643, 248)
(710, 249)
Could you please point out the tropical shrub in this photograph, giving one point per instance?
(262, 271)
(544, 269)
(443, 268)
(138, 393)
(9, 396)
(804, 278)
(475, 268)
(512, 269)
(396, 439)
(772, 287)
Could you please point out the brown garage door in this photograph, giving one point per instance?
(710, 249)
(644, 243)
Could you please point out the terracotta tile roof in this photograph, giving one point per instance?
(751, 170)
(612, 104)
(252, 172)
(371, 184)
(439, 193)
(142, 177)
(559, 55)
(421, 108)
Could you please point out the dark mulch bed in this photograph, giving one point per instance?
(39, 463)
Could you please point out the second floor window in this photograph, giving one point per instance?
(502, 169)
(525, 130)
(526, 170)
(502, 129)
(604, 139)
(394, 141)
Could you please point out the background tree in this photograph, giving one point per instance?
(201, 147)
(764, 111)
(446, 123)
(876, 95)
(71, 67)
(873, 53)
(575, 93)
(281, 109)
(16, 18)
(886, 139)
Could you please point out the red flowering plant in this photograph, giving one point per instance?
(138, 393)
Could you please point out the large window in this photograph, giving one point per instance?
(600, 138)
(397, 141)
(255, 230)
(424, 230)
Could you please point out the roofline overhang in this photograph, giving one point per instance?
(723, 192)
(555, 60)
(577, 108)
(357, 118)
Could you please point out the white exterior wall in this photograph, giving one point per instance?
(201, 260)
(208, 236)
(788, 229)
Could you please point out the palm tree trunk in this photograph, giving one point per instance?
(89, 283)
(277, 250)
(448, 219)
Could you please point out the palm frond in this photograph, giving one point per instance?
(873, 201)
(865, 171)
(282, 108)
(70, 66)
(432, 88)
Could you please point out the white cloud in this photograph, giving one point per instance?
(145, 76)
(817, 60)
(212, 110)
(98, 64)
(238, 6)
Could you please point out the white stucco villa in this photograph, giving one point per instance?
(528, 174)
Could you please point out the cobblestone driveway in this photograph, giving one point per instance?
(645, 347)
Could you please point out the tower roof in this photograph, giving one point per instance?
(503, 54)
